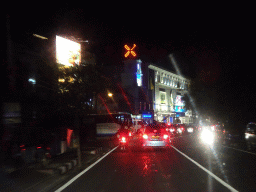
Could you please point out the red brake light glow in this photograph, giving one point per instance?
(165, 136)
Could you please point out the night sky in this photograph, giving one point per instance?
(211, 42)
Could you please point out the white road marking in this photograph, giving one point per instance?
(207, 171)
(84, 171)
(240, 150)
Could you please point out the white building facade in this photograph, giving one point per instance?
(168, 89)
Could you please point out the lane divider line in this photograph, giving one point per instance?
(240, 150)
(84, 171)
(207, 171)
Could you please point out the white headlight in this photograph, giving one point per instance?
(190, 130)
(207, 137)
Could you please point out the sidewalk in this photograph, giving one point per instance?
(36, 177)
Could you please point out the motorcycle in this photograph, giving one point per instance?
(123, 143)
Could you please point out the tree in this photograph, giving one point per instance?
(78, 91)
(81, 85)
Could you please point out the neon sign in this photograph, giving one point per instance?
(139, 75)
(130, 51)
(146, 115)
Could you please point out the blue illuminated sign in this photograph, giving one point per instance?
(147, 116)
(139, 75)
(180, 109)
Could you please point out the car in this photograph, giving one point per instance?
(250, 135)
(180, 128)
(155, 136)
(172, 129)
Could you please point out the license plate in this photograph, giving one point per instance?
(155, 137)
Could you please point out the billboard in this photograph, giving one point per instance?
(68, 52)
(179, 104)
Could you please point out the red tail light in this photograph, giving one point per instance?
(145, 136)
(155, 131)
(48, 148)
(39, 147)
(130, 134)
(165, 136)
(22, 149)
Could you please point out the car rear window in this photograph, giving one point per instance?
(151, 128)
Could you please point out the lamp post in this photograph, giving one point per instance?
(110, 94)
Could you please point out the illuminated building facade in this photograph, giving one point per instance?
(155, 93)
(168, 89)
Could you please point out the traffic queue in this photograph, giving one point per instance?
(155, 135)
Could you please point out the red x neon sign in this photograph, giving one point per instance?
(130, 51)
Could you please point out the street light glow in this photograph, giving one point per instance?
(110, 94)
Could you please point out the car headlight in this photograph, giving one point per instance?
(207, 137)
(190, 130)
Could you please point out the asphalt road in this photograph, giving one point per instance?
(187, 166)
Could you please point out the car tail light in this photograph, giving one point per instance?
(145, 136)
(39, 147)
(22, 148)
(48, 148)
(123, 140)
(155, 131)
(130, 134)
(165, 136)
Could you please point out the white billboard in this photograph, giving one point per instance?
(67, 52)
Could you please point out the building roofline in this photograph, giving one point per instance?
(152, 66)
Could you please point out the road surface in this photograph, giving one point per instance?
(187, 166)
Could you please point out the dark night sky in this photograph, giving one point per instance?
(214, 43)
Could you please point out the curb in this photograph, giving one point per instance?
(96, 151)
(93, 151)
(67, 166)
(63, 169)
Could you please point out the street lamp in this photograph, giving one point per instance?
(110, 94)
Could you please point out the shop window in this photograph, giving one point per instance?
(162, 97)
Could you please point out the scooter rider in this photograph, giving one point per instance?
(122, 132)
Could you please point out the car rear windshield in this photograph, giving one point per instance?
(151, 128)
